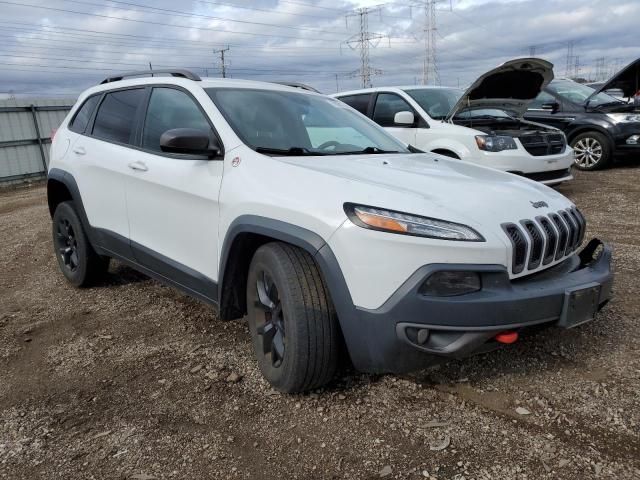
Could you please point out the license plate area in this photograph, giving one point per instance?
(580, 305)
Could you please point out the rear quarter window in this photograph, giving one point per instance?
(81, 118)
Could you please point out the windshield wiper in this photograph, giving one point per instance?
(367, 150)
(288, 152)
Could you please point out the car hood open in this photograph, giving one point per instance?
(627, 80)
(510, 86)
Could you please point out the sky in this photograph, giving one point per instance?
(58, 48)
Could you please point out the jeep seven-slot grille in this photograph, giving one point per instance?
(547, 238)
(543, 144)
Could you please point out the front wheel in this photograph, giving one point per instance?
(592, 151)
(291, 318)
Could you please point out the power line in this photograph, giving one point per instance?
(149, 22)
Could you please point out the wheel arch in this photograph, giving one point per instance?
(446, 152)
(588, 128)
(246, 234)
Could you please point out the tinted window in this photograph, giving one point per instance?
(116, 115)
(80, 121)
(542, 99)
(168, 109)
(387, 105)
(359, 102)
(579, 93)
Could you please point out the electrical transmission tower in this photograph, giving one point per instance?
(569, 69)
(533, 50)
(430, 61)
(362, 41)
(223, 63)
(601, 69)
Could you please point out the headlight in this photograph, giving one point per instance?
(495, 143)
(451, 283)
(624, 117)
(404, 223)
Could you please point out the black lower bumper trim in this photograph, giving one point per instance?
(463, 325)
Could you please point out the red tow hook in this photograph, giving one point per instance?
(507, 337)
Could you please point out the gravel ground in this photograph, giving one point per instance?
(135, 380)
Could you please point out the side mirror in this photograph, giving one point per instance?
(404, 118)
(552, 106)
(188, 141)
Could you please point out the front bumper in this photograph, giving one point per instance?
(387, 338)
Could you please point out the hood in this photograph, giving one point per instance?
(511, 86)
(627, 80)
(435, 186)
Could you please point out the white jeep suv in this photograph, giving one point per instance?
(290, 208)
(483, 124)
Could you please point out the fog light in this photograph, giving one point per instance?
(449, 284)
(633, 140)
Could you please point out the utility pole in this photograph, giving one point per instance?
(223, 64)
(600, 69)
(362, 41)
(533, 50)
(337, 86)
(568, 71)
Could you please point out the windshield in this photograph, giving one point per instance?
(437, 102)
(290, 123)
(578, 93)
(484, 112)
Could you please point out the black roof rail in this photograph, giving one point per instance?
(301, 86)
(174, 73)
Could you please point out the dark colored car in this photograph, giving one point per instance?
(597, 125)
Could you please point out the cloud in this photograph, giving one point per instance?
(63, 46)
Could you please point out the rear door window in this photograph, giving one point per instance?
(115, 120)
(387, 105)
(359, 102)
(81, 119)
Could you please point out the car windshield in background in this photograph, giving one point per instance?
(437, 102)
(289, 123)
(579, 93)
(484, 113)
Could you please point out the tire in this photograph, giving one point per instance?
(77, 259)
(592, 151)
(293, 324)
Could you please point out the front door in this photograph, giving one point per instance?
(384, 111)
(172, 199)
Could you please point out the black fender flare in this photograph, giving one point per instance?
(316, 246)
(70, 183)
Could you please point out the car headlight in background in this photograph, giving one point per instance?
(451, 283)
(407, 224)
(495, 143)
(624, 117)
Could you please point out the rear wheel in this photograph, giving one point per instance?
(592, 151)
(292, 321)
(77, 260)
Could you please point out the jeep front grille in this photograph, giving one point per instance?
(538, 242)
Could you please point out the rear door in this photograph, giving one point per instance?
(173, 199)
(384, 111)
(540, 110)
(100, 157)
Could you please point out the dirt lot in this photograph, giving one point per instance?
(133, 380)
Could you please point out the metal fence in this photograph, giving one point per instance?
(25, 135)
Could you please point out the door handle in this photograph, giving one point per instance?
(139, 166)
(79, 151)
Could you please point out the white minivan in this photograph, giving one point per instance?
(483, 124)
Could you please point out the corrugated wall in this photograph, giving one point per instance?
(20, 155)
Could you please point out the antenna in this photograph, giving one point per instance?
(362, 41)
